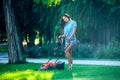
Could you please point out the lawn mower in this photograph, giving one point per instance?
(56, 64)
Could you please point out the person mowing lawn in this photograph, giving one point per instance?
(69, 27)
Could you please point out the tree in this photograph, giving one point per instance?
(15, 51)
(2, 25)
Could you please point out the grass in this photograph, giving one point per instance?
(79, 72)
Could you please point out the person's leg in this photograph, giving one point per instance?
(69, 54)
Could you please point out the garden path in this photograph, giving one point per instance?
(4, 59)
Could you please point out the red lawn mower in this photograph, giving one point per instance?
(56, 64)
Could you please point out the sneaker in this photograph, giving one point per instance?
(70, 68)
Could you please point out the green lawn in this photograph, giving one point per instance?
(79, 72)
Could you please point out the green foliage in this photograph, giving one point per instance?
(3, 47)
(57, 30)
(37, 52)
(33, 52)
(111, 2)
(94, 20)
(111, 51)
(49, 2)
(46, 50)
(91, 20)
(79, 72)
(83, 51)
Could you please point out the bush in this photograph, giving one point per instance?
(3, 47)
(84, 51)
(44, 51)
(33, 52)
(112, 50)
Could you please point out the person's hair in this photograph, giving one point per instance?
(62, 21)
(66, 15)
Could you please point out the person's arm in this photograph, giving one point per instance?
(62, 36)
(73, 32)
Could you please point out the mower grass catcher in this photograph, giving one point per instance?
(53, 65)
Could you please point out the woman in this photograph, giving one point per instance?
(70, 27)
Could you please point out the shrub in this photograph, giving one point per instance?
(33, 52)
(84, 51)
(44, 51)
(3, 47)
(112, 51)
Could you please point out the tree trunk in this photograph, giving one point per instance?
(15, 51)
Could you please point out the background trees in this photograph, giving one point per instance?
(98, 20)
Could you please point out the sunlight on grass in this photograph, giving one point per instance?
(81, 78)
(27, 75)
(79, 72)
(74, 74)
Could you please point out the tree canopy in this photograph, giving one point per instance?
(98, 21)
